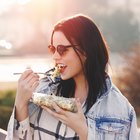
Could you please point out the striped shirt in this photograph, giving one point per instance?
(49, 127)
(43, 126)
(40, 125)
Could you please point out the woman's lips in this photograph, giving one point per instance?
(61, 67)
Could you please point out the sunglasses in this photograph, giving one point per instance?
(61, 49)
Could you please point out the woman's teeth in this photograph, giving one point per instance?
(61, 67)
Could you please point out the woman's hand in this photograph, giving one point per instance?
(27, 83)
(75, 121)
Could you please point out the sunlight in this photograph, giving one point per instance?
(5, 44)
(22, 2)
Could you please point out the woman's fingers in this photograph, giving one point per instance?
(32, 77)
(35, 85)
(29, 79)
(58, 109)
(57, 115)
(79, 106)
(33, 81)
(26, 74)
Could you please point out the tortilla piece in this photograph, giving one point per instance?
(55, 74)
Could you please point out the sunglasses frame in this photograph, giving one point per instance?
(60, 50)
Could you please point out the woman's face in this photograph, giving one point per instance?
(70, 60)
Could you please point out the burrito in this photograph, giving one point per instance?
(68, 104)
(55, 74)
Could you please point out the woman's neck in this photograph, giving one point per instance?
(81, 90)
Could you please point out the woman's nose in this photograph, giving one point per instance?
(56, 55)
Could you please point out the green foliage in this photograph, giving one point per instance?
(5, 112)
(7, 98)
(6, 105)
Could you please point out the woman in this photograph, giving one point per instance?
(103, 112)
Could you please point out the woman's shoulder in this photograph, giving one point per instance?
(116, 105)
(114, 96)
(117, 97)
(112, 104)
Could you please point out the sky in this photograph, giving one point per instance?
(4, 4)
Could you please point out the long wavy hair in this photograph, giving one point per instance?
(81, 30)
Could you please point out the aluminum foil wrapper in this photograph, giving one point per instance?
(68, 104)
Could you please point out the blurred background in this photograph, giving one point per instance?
(25, 28)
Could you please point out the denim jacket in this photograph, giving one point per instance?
(111, 118)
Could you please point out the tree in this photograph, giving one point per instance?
(129, 81)
(121, 29)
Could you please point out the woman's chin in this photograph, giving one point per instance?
(64, 77)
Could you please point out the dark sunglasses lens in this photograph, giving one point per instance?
(61, 49)
(51, 49)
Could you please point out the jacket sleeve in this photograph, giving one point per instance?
(21, 130)
(133, 134)
(18, 130)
